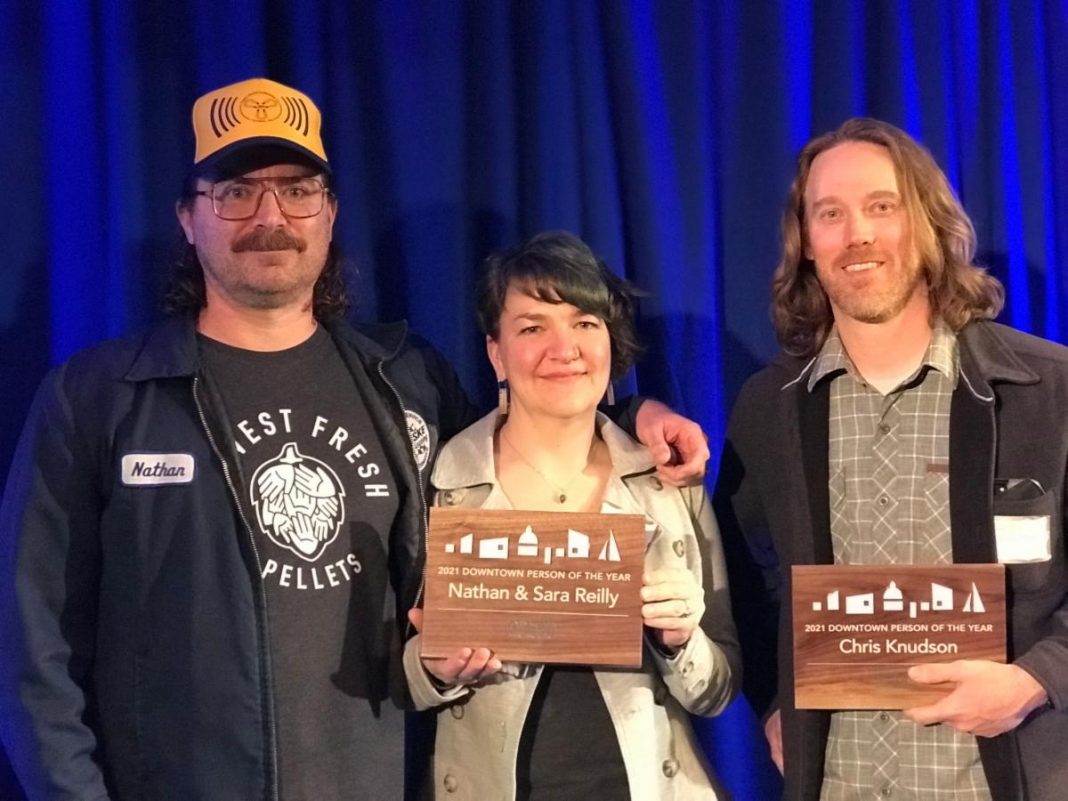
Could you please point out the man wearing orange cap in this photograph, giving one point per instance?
(210, 531)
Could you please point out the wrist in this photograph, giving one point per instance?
(437, 682)
(663, 648)
(1037, 697)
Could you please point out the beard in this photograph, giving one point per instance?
(265, 269)
(881, 298)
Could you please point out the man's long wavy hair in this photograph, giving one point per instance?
(942, 236)
(184, 295)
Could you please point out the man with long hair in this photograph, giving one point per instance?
(208, 529)
(900, 426)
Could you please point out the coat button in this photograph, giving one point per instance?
(687, 669)
(449, 783)
(656, 482)
(670, 767)
(457, 711)
(449, 498)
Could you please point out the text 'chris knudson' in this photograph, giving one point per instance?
(893, 646)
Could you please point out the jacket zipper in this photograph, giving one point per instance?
(259, 585)
(422, 499)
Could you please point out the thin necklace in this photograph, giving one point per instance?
(559, 492)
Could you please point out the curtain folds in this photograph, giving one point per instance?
(663, 133)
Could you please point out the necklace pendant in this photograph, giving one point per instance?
(561, 498)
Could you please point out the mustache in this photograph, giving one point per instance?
(262, 239)
(857, 256)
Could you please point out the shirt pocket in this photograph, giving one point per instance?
(1023, 531)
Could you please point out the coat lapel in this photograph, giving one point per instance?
(812, 515)
(971, 476)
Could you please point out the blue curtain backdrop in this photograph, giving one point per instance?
(661, 131)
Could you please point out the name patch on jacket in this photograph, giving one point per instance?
(153, 469)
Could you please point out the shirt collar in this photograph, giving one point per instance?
(468, 461)
(942, 355)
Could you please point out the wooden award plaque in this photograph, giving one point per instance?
(858, 628)
(535, 586)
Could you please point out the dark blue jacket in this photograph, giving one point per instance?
(134, 637)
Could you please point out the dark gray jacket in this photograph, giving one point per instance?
(1008, 420)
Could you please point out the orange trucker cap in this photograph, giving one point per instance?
(259, 117)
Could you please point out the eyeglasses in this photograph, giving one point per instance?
(240, 198)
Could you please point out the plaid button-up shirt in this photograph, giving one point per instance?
(889, 497)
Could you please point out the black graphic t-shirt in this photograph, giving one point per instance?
(320, 498)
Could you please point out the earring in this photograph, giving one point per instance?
(504, 397)
(610, 395)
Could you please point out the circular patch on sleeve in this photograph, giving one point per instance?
(419, 435)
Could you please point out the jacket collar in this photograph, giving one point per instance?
(170, 350)
(467, 460)
(381, 341)
(986, 359)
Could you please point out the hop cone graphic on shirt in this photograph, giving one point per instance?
(299, 502)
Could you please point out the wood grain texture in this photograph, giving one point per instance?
(860, 660)
(484, 590)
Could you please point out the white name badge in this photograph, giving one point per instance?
(1022, 539)
(154, 469)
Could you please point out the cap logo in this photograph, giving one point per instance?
(256, 111)
(260, 107)
(257, 107)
